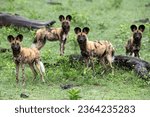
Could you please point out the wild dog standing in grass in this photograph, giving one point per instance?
(24, 56)
(134, 43)
(54, 34)
(103, 50)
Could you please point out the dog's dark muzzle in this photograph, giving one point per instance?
(66, 28)
(81, 40)
(15, 47)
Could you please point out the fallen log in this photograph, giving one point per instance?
(54, 3)
(141, 67)
(7, 19)
(66, 86)
(147, 5)
(146, 20)
(89, 0)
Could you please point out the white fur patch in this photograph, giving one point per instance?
(33, 45)
(64, 37)
(113, 58)
(42, 68)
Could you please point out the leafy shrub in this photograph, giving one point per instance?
(74, 94)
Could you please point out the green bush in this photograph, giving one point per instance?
(74, 94)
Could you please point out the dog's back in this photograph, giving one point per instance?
(100, 48)
(29, 55)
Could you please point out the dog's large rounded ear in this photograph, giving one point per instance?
(142, 28)
(61, 18)
(86, 30)
(10, 38)
(133, 28)
(19, 37)
(77, 30)
(68, 17)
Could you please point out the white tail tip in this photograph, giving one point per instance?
(33, 46)
(113, 58)
(42, 68)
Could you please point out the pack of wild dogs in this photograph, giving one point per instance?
(102, 50)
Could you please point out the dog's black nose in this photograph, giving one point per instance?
(15, 47)
(80, 41)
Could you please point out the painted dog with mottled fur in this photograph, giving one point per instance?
(22, 56)
(54, 34)
(133, 45)
(103, 50)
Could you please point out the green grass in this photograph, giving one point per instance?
(107, 19)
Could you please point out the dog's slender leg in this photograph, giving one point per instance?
(17, 72)
(136, 53)
(102, 61)
(64, 42)
(109, 59)
(92, 59)
(23, 74)
(33, 70)
(87, 62)
(62, 47)
(127, 52)
(39, 69)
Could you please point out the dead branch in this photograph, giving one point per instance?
(7, 19)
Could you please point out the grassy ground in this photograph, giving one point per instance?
(107, 19)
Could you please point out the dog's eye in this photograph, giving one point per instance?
(78, 36)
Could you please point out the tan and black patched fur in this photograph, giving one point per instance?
(103, 50)
(24, 56)
(133, 45)
(54, 34)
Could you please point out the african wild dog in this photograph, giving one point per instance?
(134, 43)
(103, 50)
(24, 56)
(54, 34)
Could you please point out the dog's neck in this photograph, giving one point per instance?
(83, 49)
(83, 46)
(137, 42)
(65, 30)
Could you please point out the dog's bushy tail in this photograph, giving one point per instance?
(42, 68)
(39, 65)
(112, 51)
(113, 54)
